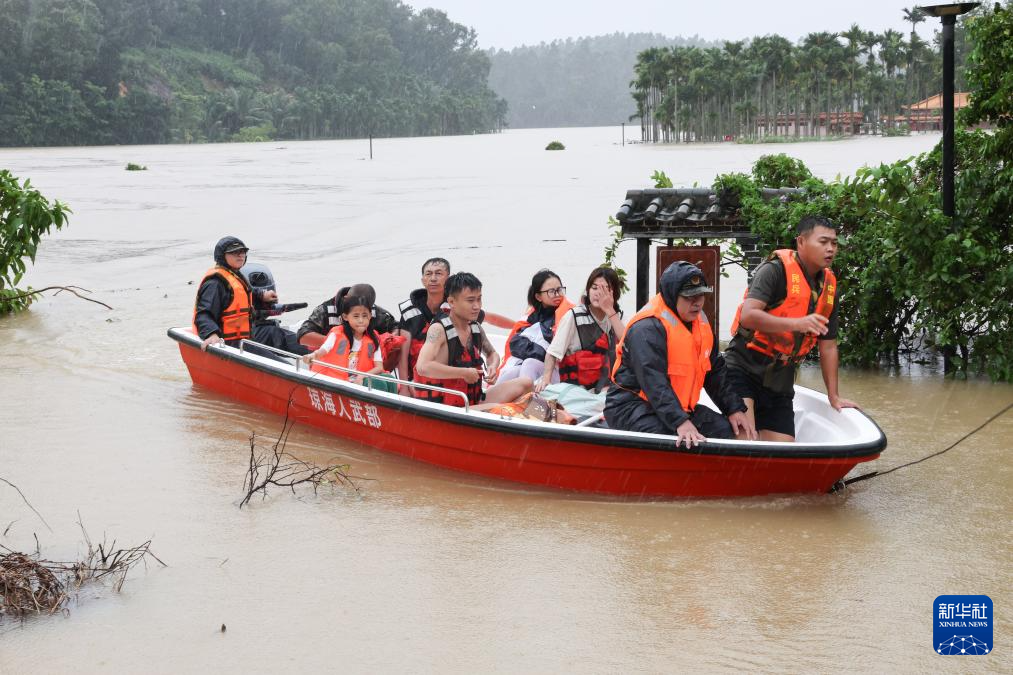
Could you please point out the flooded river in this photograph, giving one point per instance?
(428, 570)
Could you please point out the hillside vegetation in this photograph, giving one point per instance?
(158, 71)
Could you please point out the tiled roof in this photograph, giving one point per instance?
(935, 102)
(671, 212)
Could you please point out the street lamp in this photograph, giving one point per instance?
(948, 14)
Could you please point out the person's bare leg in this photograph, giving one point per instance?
(764, 434)
(741, 436)
(511, 390)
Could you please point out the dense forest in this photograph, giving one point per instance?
(155, 71)
(771, 86)
(582, 82)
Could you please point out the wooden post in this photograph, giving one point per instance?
(624, 134)
(643, 270)
(371, 146)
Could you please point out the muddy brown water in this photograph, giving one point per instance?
(429, 570)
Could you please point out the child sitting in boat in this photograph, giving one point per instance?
(352, 344)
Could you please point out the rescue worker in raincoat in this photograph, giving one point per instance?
(666, 357)
(223, 312)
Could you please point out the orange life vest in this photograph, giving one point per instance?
(236, 319)
(564, 307)
(790, 346)
(688, 352)
(342, 352)
(459, 357)
(585, 366)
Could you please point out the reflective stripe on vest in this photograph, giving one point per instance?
(341, 354)
(235, 320)
(458, 357)
(791, 346)
(688, 352)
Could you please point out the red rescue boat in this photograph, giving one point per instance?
(586, 459)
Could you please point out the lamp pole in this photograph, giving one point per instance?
(948, 14)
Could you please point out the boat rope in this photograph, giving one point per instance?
(841, 484)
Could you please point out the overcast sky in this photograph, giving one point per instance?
(510, 23)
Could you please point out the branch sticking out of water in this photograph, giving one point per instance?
(279, 468)
(27, 503)
(59, 289)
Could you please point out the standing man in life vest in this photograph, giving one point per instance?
(665, 359)
(457, 351)
(789, 307)
(224, 307)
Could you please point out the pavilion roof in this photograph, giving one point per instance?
(935, 102)
(675, 212)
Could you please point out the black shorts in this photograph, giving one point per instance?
(772, 411)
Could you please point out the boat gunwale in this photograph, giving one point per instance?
(607, 438)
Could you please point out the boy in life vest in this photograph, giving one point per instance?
(457, 350)
(223, 310)
(789, 307)
(418, 312)
(664, 360)
(353, 344)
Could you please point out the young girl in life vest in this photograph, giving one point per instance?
(353, 344)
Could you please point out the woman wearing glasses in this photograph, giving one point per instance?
(529, 340)
(584, 344)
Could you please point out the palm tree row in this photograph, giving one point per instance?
(827, 83)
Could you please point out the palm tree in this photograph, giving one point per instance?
(914, 16)
(854, 36)
(892, 53)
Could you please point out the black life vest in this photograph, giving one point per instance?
(590, 367)
(415, 318)
(458, 356)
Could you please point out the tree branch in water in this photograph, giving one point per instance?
(281, 469)
(59, 289)
(27, 503)
(31, 585)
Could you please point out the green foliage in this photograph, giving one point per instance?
(25, 215)
(897, 130)
(780, 171)
(990, 75)
(121, 71)
(661, 179)
(257, 134)
(555, 145)
(909, 277)
(611, 251)
(135, 167)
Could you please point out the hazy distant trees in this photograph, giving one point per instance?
(581, 82)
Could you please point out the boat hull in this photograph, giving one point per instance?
(535, 454)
